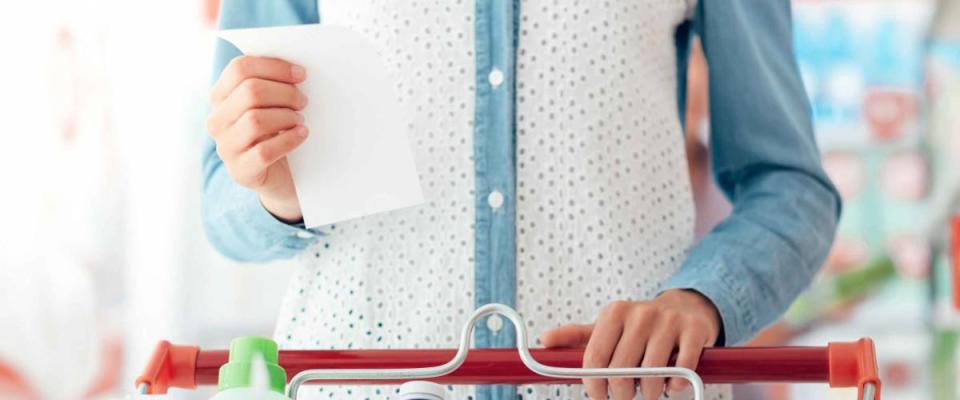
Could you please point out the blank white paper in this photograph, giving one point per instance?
(357, 159)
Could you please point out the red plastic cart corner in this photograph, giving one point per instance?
(170, 366)
(854, 364)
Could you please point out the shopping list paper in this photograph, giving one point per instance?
(357, 159)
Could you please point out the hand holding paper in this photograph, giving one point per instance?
(357, 159)
(255, 122)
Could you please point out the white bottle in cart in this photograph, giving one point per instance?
(252, 372)
(422, 390)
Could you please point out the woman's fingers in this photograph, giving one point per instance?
(243, 68)
(691, 346)
(255, 161)
(252, 94)
(606, 335)
(657, 354)
(567, 336)
(628, 354)
(258, 124)
(645, 333)
(270, 150)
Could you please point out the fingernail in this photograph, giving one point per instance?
(297, 72)
(301, 131)
(299, 118)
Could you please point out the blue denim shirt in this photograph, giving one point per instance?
(764, 156)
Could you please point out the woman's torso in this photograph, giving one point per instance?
(603, 207)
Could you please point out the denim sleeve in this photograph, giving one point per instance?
(766, 161)
(235, 222)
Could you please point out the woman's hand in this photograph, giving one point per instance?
(255, 123)
(642, 333)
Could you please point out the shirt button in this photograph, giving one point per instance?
(494, 323)
(304, 235)
(496, 77)
(495, 199)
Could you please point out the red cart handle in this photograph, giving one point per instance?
(851, 364)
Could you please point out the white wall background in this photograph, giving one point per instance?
(101, 110)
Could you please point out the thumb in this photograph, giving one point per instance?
(572, 335)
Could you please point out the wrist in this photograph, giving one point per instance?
(285, 210)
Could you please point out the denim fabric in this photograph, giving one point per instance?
(764, 157)
(766, 161)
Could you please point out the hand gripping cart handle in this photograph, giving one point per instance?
(839, 364)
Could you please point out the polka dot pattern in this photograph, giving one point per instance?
(402, 279)
(603, 208)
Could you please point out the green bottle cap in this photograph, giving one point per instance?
(238, 371)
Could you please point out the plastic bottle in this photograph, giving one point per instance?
(252, 372)
(422, 390)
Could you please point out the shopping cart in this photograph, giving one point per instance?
(850, 364)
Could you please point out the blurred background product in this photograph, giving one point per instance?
(863, 65)
(102, 252)
(882, 78)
